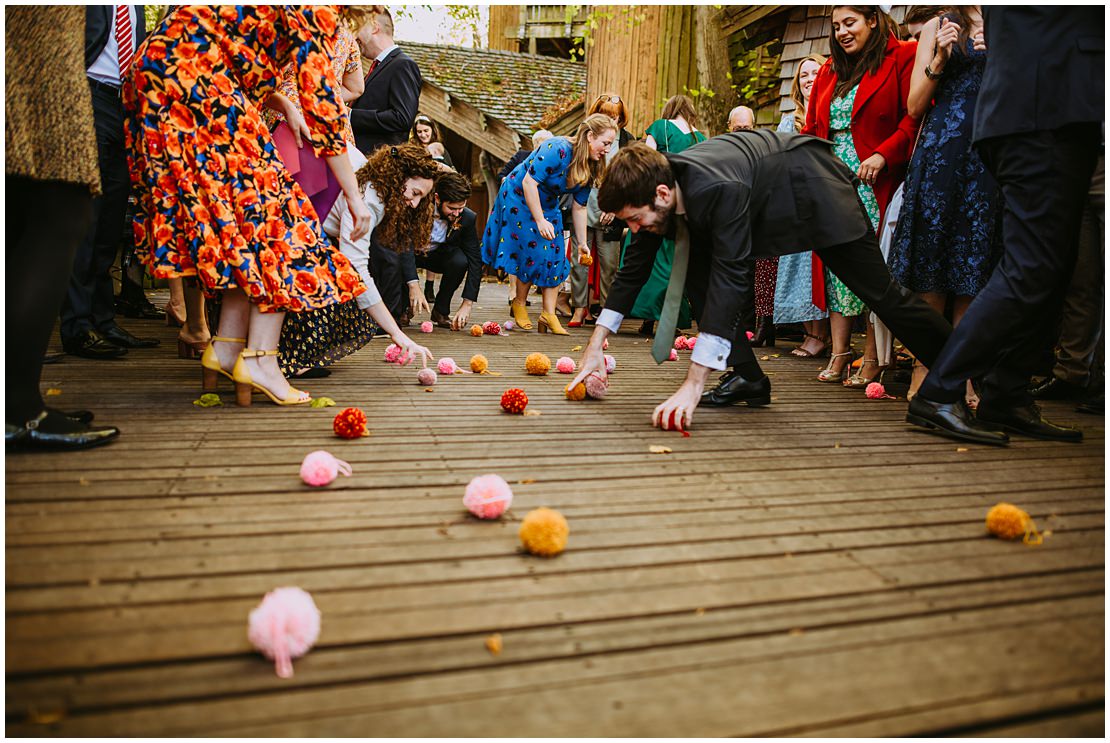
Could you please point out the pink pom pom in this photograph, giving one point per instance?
(565, 365)
(751, 335)
(392, 353)
(491, 328)
(284, 626)
(875, 391)
(674, 355)
(690, 343)
(488, 496)
(680, 343)
(426, 377)
(447, 366)
(610, 364)
(426, 326)
(605, 345)
(320, 468)
(509, 325)
(596, 387)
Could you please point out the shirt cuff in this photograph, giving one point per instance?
(711, 351)
(611, 320)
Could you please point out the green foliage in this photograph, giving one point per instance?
(152, 15)
(629, 15)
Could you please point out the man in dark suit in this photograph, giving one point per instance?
(455, 252)
(88, 318)
(1037, 126)
(738, 196)
(383, 115)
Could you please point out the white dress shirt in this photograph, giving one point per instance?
(106, 67)
(710, 350)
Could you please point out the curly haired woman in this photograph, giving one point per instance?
(396, 184)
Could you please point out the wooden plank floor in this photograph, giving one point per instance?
(816, 567)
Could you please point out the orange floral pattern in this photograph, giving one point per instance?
(214, 200)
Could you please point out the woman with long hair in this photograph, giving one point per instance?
(214, 200)
(603, 230)
(949, 234)
(396, 185)
(675, 130)
(859, 102)
(794, 292)
(524, 233)
(425, 132)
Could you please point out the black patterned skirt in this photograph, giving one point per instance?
(318, 338)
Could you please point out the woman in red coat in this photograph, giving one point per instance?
(859, 102)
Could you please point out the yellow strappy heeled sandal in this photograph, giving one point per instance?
(210, 363)
(244, 385)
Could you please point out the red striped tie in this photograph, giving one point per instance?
(124, 39)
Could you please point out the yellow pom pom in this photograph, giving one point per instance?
(544, 532)
(576, 393)
(475, 330)
(537, 364)
(478, 362)
(1007, 521)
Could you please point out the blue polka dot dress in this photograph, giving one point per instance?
(512, 241)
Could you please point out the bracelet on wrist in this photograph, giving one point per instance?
(932, 75)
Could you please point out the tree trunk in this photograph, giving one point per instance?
(711, 54)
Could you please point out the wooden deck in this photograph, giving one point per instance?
(811, 568)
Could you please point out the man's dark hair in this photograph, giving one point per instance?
(631, 178)
(452, 187)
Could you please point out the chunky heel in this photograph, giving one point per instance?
(243, 394)
(189, 350)
(209, 379)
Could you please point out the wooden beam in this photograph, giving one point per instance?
(470, 123)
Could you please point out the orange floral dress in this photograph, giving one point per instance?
(214, 200)
(348, 58)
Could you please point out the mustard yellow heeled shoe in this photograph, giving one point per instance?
(244, 385)
(520, 316)
(550, 323)
(210, 363)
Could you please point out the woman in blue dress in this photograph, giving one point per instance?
(949, 236)
(524, 233)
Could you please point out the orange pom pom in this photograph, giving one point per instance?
(1007, 521)
(350, 424)
(514, 400)
(544, 532)
(478, 362)
(586, 260)
(476, 330)
(537, 364)
(576, 393)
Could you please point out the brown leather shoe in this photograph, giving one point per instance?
(441, 319)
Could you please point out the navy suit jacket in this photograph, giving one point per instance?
(100, 20)
(384, 113)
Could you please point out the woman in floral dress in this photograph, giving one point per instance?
(214, 200)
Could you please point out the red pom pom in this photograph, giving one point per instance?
(514, 400)
(350, 424)
(491, 328)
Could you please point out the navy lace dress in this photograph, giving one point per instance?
(949, 235)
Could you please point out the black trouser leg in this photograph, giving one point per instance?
(1044, 177)
(861, 267)
(741, 358)
(46, 220)
(90, 300)
(452, 266)
(385, 267)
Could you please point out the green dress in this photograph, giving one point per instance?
(649, 303)
(840, 129)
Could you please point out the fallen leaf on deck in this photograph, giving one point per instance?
(699, 611)
(532, 412)
(53, 391)
(764, 358)
(82, 481)
(797, 632)
(836, 446)
(527, 481)
(94, 582)
(208, 400)
(656, 449)
(322, 402)
(494, 644)
(1046, 533)
(961, 448)
(775, 355)
(576, 348)
(428, 389)
(48, 717)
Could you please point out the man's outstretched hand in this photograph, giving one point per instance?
(677, 413)
(592, 361)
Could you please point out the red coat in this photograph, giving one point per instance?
(880, 121)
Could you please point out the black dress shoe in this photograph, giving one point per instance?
(138, 310)
(953, 420)
(81, 416)
(734, 388)
(123, 339)
(1095, 405)
(647, 328)
(53, 430)
(1027, 421)
(441, 319)
(92, 345)
(1054, 388)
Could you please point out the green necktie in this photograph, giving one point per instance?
(676, 287)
